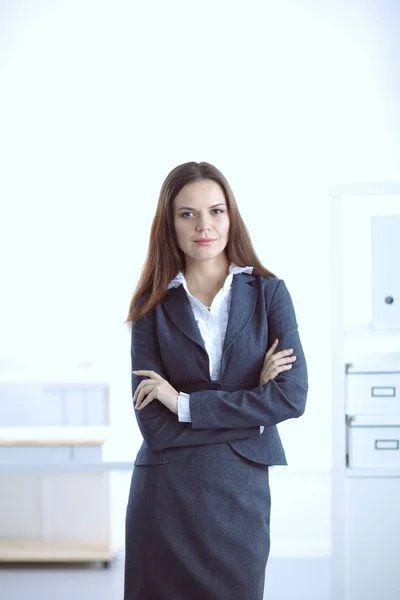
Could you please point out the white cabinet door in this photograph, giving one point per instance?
(77, 506)
(21, 505)
(386, 272)
(373, 538)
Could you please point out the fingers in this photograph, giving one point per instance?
(280, 366)
(139, 387)
(149, 399)
(273, 347)
(286, 367)
(282, 353)
(272, 372)
(279, 369)
(286, 360)
(279, 354)
(144, 386)
(279, 357)
(276, 363)
(143, 393)
(151, 374)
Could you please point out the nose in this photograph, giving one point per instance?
(202, 223)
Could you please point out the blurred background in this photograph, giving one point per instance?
(297, 103)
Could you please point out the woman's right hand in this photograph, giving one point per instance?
(276, 363)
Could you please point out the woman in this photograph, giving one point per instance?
(216, 363)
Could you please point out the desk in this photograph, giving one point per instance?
(56, 497)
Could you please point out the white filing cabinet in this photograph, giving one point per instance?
(372, 509)
(385, 237)
(62, 514)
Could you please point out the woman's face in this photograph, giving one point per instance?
(200, 212)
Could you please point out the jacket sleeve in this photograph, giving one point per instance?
(160, 427)
(277, 400)
(184, 409)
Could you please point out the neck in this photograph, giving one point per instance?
(207, 274)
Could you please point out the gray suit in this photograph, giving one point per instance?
(198, 515)
(169, 342)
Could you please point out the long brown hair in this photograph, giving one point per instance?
(164, 257)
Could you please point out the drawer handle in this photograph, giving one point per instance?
(383, 392)
(386, 444)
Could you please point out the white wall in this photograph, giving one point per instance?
(99, 100)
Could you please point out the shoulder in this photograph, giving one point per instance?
(273, 289)
(269, 285)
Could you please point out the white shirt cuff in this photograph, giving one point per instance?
(261, 429)
(184, 408)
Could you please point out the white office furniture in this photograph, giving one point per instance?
(64, 513)
(373, 478)
(54, 404)
(386, 271)
(365, 476)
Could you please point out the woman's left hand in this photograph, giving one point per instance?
(155, 388)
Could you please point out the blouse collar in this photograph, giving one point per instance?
(233, 270)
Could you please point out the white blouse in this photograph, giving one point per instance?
(212, 323)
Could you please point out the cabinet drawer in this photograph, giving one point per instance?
(373, 393)
(370, 447)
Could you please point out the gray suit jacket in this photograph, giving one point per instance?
(168, 341)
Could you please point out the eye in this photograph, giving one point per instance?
(217, 211)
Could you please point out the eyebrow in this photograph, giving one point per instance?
(213, 206)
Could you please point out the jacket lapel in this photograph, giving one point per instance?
(244, 293)
(243, 301)
(178, 308)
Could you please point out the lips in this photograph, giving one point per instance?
(203, 240)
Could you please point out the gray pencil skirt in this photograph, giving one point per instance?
(198, 528)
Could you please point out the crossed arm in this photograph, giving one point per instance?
(159, 427)
(219, 416)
